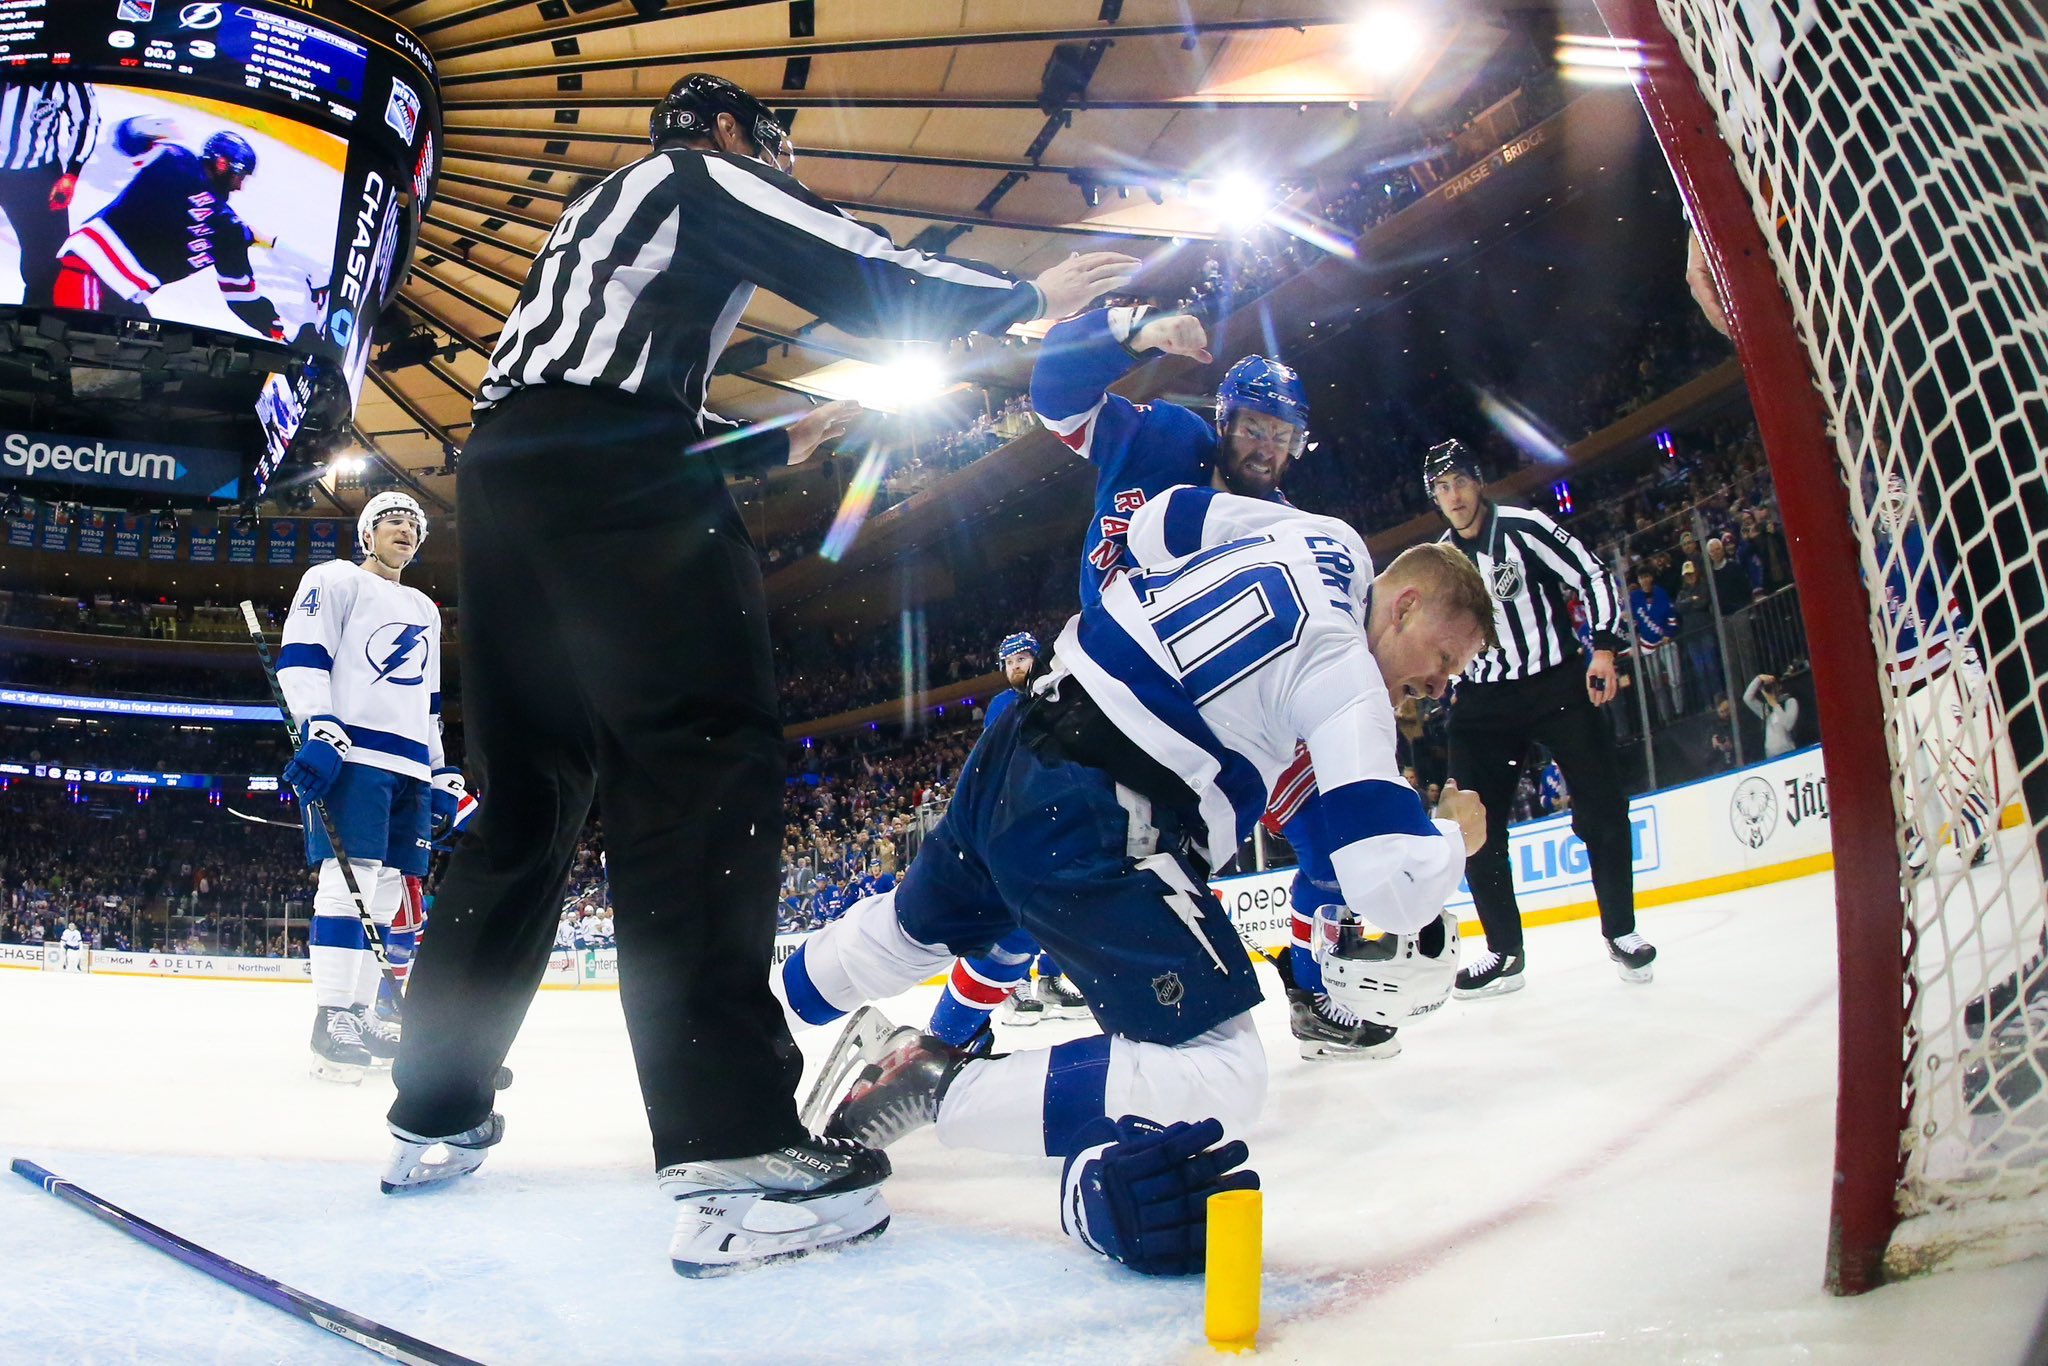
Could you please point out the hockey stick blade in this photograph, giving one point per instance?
(859, 1044)
(262, 820)
(386, 1342)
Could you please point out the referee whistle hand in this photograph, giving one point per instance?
(1467, 812)
(1076, 282)
(1600, 678)
(826, 422)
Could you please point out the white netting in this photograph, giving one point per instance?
(1896, 156)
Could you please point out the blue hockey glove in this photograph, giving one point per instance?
(1138, 1193)
(323, 745)
(452, 807)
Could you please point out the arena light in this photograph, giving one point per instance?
(1387, 40)
(1586, 59)
(908, 380)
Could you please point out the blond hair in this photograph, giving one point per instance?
(1446, 578)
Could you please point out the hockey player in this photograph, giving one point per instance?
(1093, 814)
(1140, 450)
(977, 986)
(74, 948)
(171, 220)
(1945, 700)
(361, 670)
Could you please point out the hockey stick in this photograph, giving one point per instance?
(261, 820)
(348, 875)
(386, 1342)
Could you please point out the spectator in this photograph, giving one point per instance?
(1777, 710)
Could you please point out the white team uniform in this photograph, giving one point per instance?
(74, 950)
(366, 653)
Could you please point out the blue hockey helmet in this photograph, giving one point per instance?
(139, 132)
(1017, 643)
(1258, 384)
(232, 148)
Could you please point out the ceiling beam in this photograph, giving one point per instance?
(483, 210)
(496, 7)
(916, 42)
(435, 320)
(791, 100)
(415, 412)
(543, 133)
(531, 189)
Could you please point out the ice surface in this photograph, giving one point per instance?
(1581, 1170)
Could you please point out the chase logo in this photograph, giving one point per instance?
(398, 654)
(342, 327)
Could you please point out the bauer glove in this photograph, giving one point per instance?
(1138, 1192)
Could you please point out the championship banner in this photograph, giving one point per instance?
(128, 534)
(204, 547)
(21, 528)
(92, 532)
(242, 546)
(284, 542)
(163, 539)
(54, 532)
(323, 540)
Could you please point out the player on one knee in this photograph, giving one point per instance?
(360, 669)
(1092, 816)
(1139, 450)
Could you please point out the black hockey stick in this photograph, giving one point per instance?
(385, 1342)
(348, 875)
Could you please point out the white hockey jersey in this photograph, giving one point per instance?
(1218, 661)
(367, 652)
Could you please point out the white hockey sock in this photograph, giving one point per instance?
(1031, 1103)
(383, 906)
(862, 956)
(336, 942)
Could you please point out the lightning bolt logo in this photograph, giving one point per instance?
(1184, 900)
(401, 650)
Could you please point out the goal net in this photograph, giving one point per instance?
(1868, 178)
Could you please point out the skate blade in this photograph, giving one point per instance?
(859, 1044)
(1499, 986)
(1016, 1021)
(339, 1073)
(1069, 1013)
(717, 1242)
(409, 1169)
(1313, 1051)
(1637, 976)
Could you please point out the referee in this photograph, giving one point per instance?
(47, 130)
(1535, 686)
(615, 644)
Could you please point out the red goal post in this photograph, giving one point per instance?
(1846, 164)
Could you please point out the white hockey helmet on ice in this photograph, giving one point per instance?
(390, 504)
(1386, 978)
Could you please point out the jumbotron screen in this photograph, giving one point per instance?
(245, 179)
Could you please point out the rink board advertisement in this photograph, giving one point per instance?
(1755, 825)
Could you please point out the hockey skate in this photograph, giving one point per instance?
(864, 1040)
(413, 1165)
(742, 1212)
(1059, 1001)
(1320, 1033)
(1632, 955)
(1995, 1007)
(338, 1051)
(1490, 974)
(899, 1093)
(380, 1035)
(1022, 1006)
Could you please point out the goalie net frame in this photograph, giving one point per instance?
(1879, 978)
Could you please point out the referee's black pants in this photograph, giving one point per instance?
(614, 641)
(1491, 727)
(40, 229)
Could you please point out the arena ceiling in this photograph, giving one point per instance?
(1006, 131)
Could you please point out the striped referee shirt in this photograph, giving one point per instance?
(48, 123)
(1528, 561)
(644, 278)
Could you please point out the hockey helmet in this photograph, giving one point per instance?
(1386, 978)
(1258, 384)
(390, 503)
(139, 132)
(1449, 457)
(1894, 505)
(693, 104)
(1017, 643)
(232, 148)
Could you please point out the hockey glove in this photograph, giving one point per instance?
(1138, 1193)
(323, 745)
(452, 807)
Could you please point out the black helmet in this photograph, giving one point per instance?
(692, 107)
(233, 149)
(1449, 457)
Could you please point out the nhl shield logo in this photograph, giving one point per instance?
(1167, 987)
(1505, 580)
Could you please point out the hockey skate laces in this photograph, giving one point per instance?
(1631, 943)
(1483, 963)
